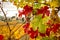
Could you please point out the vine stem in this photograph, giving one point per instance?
(6, 22)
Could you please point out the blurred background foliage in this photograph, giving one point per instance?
(16, 28)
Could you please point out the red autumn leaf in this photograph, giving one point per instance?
(48, 31)
(20, 12)
(49, 22)
(1, 37)
(43, 16)
(45, 7)
(26, 25)
(32, 33)
(28, 9)
(39, 11)
(55, 27)
(44, 10)
(42, 34)
(47, 12)
(26, 30)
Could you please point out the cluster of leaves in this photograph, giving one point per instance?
(35, 33)
(30, 31)
(22, 3)
(38, 22)
(53, 26)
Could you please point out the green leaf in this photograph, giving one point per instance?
(45, 38)
(45, 19)
(16, 1)
(38, 38)
(37, 5)
(42, 28)
(35, 22)
(53, 38)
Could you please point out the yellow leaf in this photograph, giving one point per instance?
(54, 4)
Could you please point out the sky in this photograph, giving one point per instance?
(9, 9)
